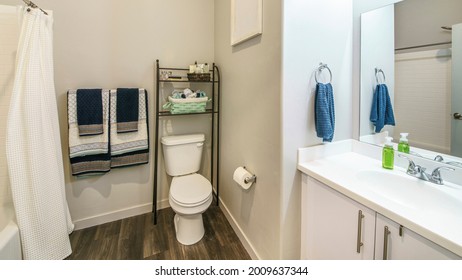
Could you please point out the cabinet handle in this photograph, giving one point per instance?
(386, 232)
(359, 243)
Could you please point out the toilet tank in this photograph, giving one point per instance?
(182, 153)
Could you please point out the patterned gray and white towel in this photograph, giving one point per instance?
(91, 144)
(123, 143)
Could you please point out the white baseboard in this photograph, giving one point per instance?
(240, 234)
(118, 215)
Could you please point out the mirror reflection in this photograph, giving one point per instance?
(413, 49)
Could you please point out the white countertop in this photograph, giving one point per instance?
(433, 211)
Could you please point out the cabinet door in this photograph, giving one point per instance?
(333, 226)
(407, 245)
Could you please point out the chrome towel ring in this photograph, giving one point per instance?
(321, 67)
(377, 72)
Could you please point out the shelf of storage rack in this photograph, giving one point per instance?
(167, 113)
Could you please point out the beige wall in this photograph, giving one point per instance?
(251, 126)
(114, 43)
(419, 22)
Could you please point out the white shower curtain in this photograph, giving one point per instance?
(33, 145)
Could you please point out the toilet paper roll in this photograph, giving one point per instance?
(240, 174)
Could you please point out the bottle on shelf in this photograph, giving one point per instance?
(198, 68)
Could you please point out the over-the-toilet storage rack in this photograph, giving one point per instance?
(213, 110)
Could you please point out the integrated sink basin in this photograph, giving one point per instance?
(391, 186)
(409, 191)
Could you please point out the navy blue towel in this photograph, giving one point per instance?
(324, 117)
(89, 111)
(382, 110)
(127, 109)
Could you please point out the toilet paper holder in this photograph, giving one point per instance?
(251, 179)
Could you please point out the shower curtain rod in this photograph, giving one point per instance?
(33, 6)
(422, 46)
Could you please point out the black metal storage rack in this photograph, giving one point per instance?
(215, 133)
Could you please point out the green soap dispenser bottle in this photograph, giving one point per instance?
(403, 145)
(388, 154)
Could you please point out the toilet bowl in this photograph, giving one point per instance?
(189, 197)
(190, 193)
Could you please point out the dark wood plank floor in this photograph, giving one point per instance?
(136, 238)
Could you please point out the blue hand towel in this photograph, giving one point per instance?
(324, 117)
(89, 111)
(382, 110)
(127, 109)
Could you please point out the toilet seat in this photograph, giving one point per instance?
(190, 190)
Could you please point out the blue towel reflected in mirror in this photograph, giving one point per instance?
(382, 109)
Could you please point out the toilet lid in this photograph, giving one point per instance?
(190, 189)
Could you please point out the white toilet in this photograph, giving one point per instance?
(190, 193)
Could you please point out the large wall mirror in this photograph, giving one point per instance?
(414, 47)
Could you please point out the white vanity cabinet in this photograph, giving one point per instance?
(395, 242)
(334, 226)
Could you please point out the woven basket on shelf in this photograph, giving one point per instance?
(199, 77)
(186, 106)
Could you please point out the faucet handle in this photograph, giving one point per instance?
(412, 168)
(420, 169)
(436, 174)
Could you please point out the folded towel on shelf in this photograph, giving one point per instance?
(127, 109)
(91, 144)
(187, 94)
(200, 94)
(382, 110)
(89, 111)
(324, 112)
(178, 94)
(125, 144)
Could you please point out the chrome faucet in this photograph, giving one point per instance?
(440, 158)
(419, 172)
(436, 174)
